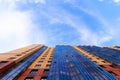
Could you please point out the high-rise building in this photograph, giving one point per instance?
(64, 62)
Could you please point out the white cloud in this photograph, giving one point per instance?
(17, 28)
(108, 29)
(116, 1)
(86, 35)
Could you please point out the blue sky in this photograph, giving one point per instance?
(52, 22)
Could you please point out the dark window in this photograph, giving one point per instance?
(46, 71)
(101, 65)
(29, 78)
(50, 58)
(44, 78)
(98, 58)
(49, 61)
(34, 71)
(48, 65)
(66, 55)
(42, 58)
(37, 66)
(112, 72)
(95, 61)
(3, 62)
(54, 61)
(100, 68)
(104, 61)
(112, 66)
(40, 61)
(12, 58)
(18, 55)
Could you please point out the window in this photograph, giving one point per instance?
(54, 62)
(101, 66)
(3, 62)
(90, 58)
(12, 58)
(98, 58)
(37, 66)
(40, 61)
(18, 55)
(46, 71)
(29, 78)
(66, 55)
(112, 72)
(42, 58)
(104, 61)
(44, 78)
(50, 58)
(48, 65)
(34, 71)
(93, 56)
(112, 66)
(95, 61)
(49, 61)
(51, 55)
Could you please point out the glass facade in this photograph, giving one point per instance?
(64, 62)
